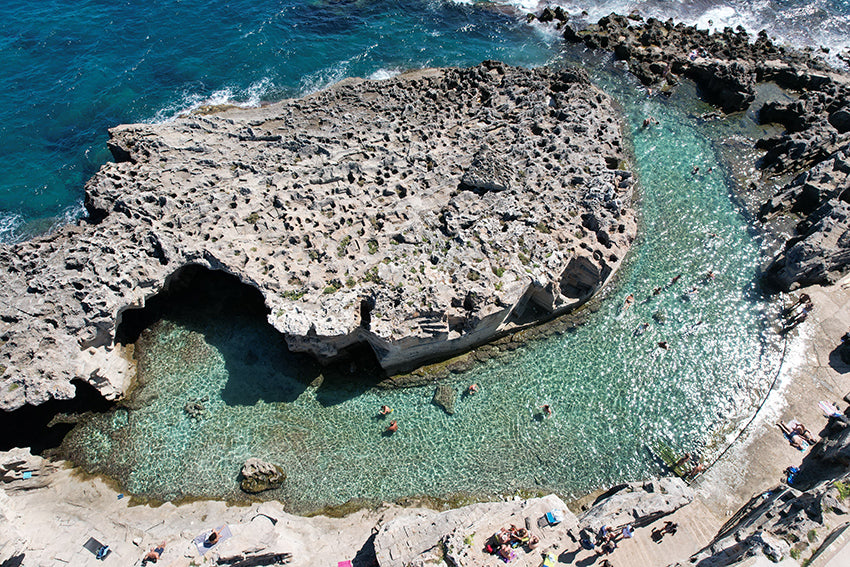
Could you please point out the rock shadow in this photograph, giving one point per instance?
(839, 358)
(43, 428)
(355, 372)
(232, 317)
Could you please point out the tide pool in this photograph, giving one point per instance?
(684, 367)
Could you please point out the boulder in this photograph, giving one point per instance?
(258, 476)
(840, 120)
(444, 396)
(821, 255)
(639, 504)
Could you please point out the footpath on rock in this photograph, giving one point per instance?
(421, 215)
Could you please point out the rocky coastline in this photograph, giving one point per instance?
(809, 162)
(421, 216)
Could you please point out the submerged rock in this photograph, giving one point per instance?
(444, 396)
(258, 476)
(422, 215)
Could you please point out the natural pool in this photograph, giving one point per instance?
(614, 392)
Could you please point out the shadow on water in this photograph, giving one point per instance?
(42, 428)
(231, 317)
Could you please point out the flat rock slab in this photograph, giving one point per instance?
(460, 535)
(421, 215)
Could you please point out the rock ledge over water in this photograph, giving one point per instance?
(422, 215)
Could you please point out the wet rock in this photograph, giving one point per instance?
(821, 255)
(258, 476)
(444, 396)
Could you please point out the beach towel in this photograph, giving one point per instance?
(828, 409)
(549, 560)
(344, 564)
(100, 551)
(203, 546)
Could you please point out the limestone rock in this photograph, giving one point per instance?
(444, 396)
(459, 536)
(346, 211)
(258, 476)
(822, 254)
(639, 504)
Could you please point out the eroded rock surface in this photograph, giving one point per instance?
(258, 476)
(726, 66)
(638, 504)
(422, 215)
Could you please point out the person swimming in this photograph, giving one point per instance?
(392, 427)
(386, 410)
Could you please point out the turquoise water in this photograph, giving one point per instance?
(614, 393)
(70, 70)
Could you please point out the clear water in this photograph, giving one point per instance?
(614, 393)
(70, 70)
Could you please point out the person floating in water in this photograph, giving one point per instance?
(695, 170)
(392, 427)
(641, 329)
(386, 410)
(663, 344)
(547, 410)
(473, 389)
(630, 299)
(674, 280)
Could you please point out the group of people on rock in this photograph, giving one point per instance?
(798, 436)
(503, 542)
(797, 312)
(605, 540)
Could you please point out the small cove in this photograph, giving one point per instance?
(614, 391)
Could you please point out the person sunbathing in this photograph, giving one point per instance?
(800, 429)
(154, 554)
(797, 441)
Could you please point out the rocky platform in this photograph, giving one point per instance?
(809, 162)
(421, 215)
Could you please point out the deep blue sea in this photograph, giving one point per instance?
(71, 70)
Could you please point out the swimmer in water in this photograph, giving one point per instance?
(386, 410)
(392, 427)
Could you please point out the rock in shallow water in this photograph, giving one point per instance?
(444, 396)
(258, 476)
